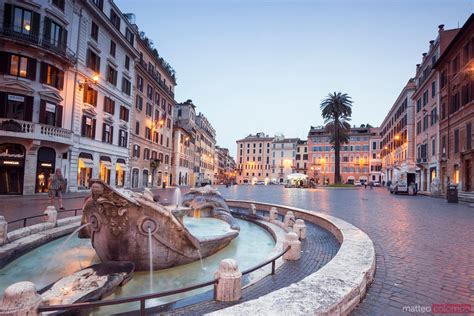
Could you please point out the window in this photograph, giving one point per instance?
(109, 105)
(14, 106)
(127, 62)
(115, 19)
(434, 116)
(113, 47)
(468, 136)
(126, 86)
(136, 151)
(146, 154)
(140, 83)
(149, 92)
(99, 3)
(124, 113)
(107, 133)
(88, 127)
(155, 137)
(418, 105)
(418, 127)
(52, 76)
(149, 109)
(59, 4)
(433, 146)
(17, 65)
(455, 65)
(139, 103)
(465, 98)
(50, 113)
(433, 89)
(456, 141)
(54, 34)
(112, 75)
(148, 133)
(466, 53)
(123, 135)
(425, 97)
(130, 36)
(21, 20)
(90, 96)
(157, 98)
(93, 61)
(137, 128)
(94, 31)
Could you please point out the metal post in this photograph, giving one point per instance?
(24, 222)
(273, 267)
(142, 307)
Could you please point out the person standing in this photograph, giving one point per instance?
(56, 184)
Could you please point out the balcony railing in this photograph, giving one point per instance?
(155, 75)
(32, 130)
(39, 40)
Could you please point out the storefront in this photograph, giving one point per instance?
(135, 175)
(105, 168)
(84, 170)
(44, 168)
(12, 168)
(120, 167)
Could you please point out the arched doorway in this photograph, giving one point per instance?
(45, 165)
(12, 168)
(84, 170)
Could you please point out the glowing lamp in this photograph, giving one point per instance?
(96, 78)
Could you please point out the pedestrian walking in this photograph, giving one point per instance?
(56, 185)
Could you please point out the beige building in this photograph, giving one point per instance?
(224, 166)
(397, 136)
(253, 159)
(283, 161)
(182, 166)
(302, 157)
(152, 119)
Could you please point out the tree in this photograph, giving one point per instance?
(336, 109)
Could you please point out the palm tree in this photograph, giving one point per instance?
(336, 109)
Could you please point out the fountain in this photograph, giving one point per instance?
(207, 202)
(120, 225)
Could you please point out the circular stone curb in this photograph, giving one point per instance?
(335, 289)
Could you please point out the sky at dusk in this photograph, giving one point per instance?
(254, 66)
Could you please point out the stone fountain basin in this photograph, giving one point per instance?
(89, 284)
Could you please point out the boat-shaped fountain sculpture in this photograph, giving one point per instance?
(121, 225)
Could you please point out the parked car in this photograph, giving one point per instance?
(376, 184)
(260, 183)
(357, 183)
(399, 187)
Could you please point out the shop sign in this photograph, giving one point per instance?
(51, 107)
(16, 98)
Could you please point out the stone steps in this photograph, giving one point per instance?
(466, 196)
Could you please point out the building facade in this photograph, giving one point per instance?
(37, 52)
(152, 116)
(253, 159)
(375, 162)
(355, 156)
(283, 158)
(103, 96)
(301, 157)
(456, 96)
(398, 138)
(205, 150)
(426, 98)
(183, 156)
(224, 166)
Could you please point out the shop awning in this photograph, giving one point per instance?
(296, 176)
(107, 164)
(88, 163)
(121, 165)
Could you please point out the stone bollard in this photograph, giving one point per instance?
(51, 215)
(293, 242)
(20, 299)
(289, 220)
(273, 214)
(300, 229)
(229, 284)
(252, 210)
(3, 231)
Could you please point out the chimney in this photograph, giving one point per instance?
(441, 27)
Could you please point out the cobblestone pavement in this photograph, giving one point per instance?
(424, 246)
(319, 248)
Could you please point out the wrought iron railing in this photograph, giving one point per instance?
(24, 220)
(38, 40)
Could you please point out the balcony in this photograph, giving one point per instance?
(38, 40)
(34, 131)
(156, 76)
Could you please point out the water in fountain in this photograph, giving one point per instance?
(202, 262)
(177, 197)
(61, 248)
(150, 251)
